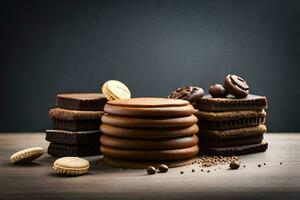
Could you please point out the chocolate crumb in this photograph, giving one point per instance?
(193, 170)
(264, 163)
(280, 163)
(208, 171)
(181, 172)
(259, 165)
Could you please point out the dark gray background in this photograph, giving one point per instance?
(49, 47)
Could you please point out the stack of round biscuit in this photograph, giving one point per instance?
(139, 132)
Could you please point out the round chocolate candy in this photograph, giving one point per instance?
(217, 91)
(163, 168)
(151, 170)
(189, 93)
(234, 165)
(236, 86)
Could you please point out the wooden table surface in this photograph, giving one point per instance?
(271, 181)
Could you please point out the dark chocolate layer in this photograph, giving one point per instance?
(60, 150)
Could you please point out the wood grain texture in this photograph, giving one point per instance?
(38, 180)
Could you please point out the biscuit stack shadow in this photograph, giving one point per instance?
(230, 126)
(75, 125)
(139, 132)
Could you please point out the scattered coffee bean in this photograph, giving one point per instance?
(217, 90)
(193, 170)
(259, 165)
(181, 172)
(234, 165)
(151, 170)
(163, 168)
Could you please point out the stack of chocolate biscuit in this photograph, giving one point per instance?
(231, 121)
(231, 126)
(75, 124)
(139, 132)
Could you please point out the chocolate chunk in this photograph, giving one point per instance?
(163, 168)
(234, 165)
(236, 86)
(217, 91)
(189, 93)
(151, 170)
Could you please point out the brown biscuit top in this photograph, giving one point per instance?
(74, 115)
(81, 101)
(230, 103)
(147, 102)
(229, 115)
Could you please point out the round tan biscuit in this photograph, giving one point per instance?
(146, 133)
(120, 121)
(27, 155)
(142, 165)
(148, 102)
(163, 144)
(173, 111)
(158, 155)
(73, 166)
(114, 89)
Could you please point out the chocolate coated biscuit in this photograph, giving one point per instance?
(158, 155)
(82, 125)
(74, 115)
(60, 150)
(226, 116)
(148, 133)
(233, 133)
(158, 144)
(227, 142)
(148, 102)
(251, 102)
(235, 150)
(112, 162)
(73, 137)
(164, 111)
(81, 101)
(120, 121)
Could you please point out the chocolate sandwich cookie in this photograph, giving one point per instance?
(146, 155)
(165, 111)
(158, 144)
(81, 101)
(74, 115)
(251, 102)
(189, 93)
(61, 150)
(227, 142)
(230, 120)
(73, 137)
(236, 86)
(118, 163)
(74, 120)
(235, 150)
(120, 121)
(148, 133)
(232, 133)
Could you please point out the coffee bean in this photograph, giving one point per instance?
(151, 170)
(163, 168)
(259, 165)
(181, 172)
(234, 165)
(217, 91)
